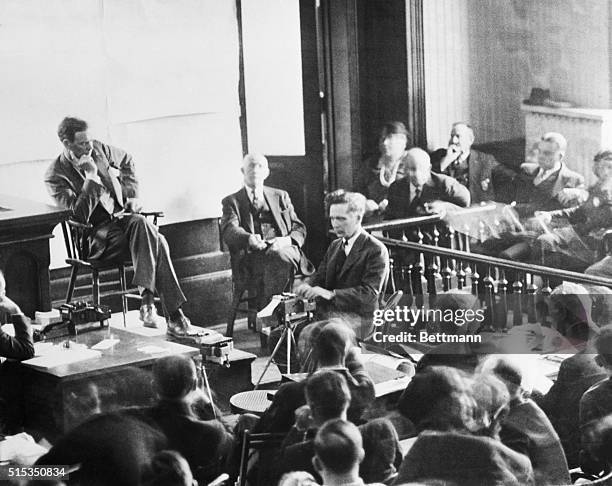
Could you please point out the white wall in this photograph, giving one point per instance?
(157, 78)
(482, 57)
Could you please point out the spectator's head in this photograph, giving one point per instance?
(169, 468)
(570, 311)
(74, 135)
(438, 398)
(297, 478)
(346, 210)
(327, 395)
(602, 165)
(507, 369)
(338, 450)
(333, 344)
(462, 136)
(255, 170)
(492, 399)
(551, 150)
(603, 346)
(418, 164)
(380, 442)
(175, 377)
(394, 139)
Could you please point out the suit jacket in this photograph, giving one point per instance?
(561, 404)
(206, 445)
(481, 167)
(464, 459)
(440, 188)
(71, 190)
(361, 278)
(113, 450)
(527, 430)
(531, 198)
(237, 221)
(21, 346)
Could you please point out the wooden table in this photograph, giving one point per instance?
(50, 395)
(25, 229)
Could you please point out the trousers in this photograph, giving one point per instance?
(135, 238)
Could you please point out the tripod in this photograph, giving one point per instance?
(287, 335)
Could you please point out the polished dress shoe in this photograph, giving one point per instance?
(179, 326)
(149, 316)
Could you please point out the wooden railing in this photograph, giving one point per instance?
(505, 287)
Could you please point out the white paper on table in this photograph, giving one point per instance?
(62, 356)
(152, 349)
(105, 344)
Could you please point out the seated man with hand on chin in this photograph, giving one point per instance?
(98, 183)
(355, 266)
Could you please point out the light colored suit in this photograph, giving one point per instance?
(115, 239)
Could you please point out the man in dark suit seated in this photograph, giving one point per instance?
(206, 445)
(98, 183)
(262, 231)
(353, 271)
(21, 345)
(471, 168)
(423, 191)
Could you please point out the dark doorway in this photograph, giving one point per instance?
(303, 175)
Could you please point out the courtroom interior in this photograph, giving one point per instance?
(306, 242)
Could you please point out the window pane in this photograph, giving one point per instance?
(273, 76)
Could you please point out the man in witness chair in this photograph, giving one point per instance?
(353, 271)
(98, 183)
(263, 232)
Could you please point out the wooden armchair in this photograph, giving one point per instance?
(76, 239)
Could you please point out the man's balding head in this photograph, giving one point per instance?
(419, 167)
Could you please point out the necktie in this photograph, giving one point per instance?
(341, 255)
(256, 201)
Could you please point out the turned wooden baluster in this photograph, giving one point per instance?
(532, 289)
(391, 283)
(502, 290)
(407, 283)
(466, 236)
(434, 279)
(489, 285)
(461, 276)
(545, 293)
(451, 263)
(420, 282)
(517, 301)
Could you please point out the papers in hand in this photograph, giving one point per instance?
(268, 310)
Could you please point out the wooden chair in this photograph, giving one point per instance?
(255, 443)
(76, 239)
